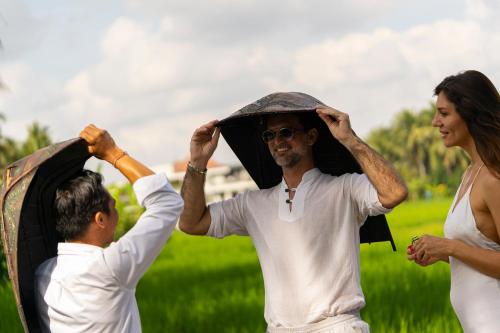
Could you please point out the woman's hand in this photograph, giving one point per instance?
(428, 249)
(411, 255)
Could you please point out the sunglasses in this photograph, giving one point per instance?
(283, 133)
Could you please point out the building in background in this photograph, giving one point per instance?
(223, 181)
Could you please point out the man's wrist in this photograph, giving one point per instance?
(113, 154)
(352, 142)
(192, 168)
(118, 157)
(198, 163)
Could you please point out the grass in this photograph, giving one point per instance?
(200, 284)
(401, 296)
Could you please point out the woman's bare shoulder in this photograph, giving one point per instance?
(489, 183)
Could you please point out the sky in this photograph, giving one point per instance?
(151, 71)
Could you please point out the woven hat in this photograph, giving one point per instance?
(27, 219)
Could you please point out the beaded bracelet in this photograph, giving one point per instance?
(192, 168)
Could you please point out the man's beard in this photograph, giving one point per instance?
(286, 161)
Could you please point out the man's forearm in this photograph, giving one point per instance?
(390, 186)
(131, 168)
(195, 206)
(101, 145)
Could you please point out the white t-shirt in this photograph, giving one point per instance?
(87, 288)
(310, 255)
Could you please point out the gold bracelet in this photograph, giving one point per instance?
(123, 153)
(192, 168)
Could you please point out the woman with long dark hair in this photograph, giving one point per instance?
(468, 116)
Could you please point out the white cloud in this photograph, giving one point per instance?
(20, 30)
(244, 21)
(137, 58)
(373, 75)
(157, 80)
(16, 73)
(29, 97)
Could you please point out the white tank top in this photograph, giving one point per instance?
(475, 297)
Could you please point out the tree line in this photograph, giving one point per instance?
(417, 151)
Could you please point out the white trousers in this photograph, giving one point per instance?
(345, 323)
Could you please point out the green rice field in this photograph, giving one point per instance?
(200, 284)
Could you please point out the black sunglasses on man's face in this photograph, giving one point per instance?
(283, 133)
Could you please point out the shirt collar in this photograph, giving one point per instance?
(76, 248)
(306, 177)
(310, 175)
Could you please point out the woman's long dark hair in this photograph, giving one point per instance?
(478, 103)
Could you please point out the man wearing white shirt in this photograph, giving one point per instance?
(90, 285)
(305, 229)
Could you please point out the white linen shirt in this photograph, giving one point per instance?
(87, 288)
(309, 255)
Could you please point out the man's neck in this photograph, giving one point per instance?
(293, 175)
(88, 241)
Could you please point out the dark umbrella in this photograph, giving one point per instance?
(242, 132)
(28, 229)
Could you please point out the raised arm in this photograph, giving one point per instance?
(195, 219)
(130, 256)
(391, 188)
(101, 145)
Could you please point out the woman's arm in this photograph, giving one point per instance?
(486, 261)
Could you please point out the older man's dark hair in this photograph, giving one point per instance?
(77, 201)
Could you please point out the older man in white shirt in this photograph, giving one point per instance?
(90, 286)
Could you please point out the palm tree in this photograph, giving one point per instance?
(419, 141)
(417, 151)
(38, 137)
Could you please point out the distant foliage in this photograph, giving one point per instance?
(11, 150)
(417, 151)
(127, 206)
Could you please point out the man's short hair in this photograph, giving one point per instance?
(77, 201)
